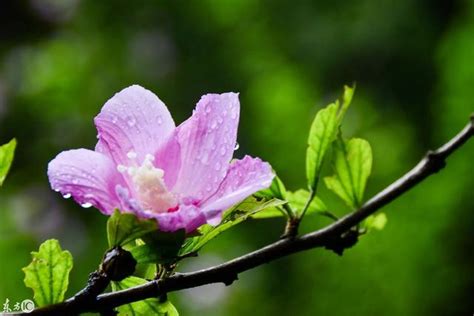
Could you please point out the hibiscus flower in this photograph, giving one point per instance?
(143, 164)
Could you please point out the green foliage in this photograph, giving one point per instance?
(377, 221)
(296, 201)
(276, 190)
(151, 246)
(235, 215)
(322, 133)
(123, 228)
(352, 164)
(346, 101)
(151, 306)
(271, 212)
(48, 274)
(146, 267)
(145, 254)
(146, 270)
(7, 152)
(159, 247)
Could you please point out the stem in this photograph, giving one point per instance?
(312, 194)
(289, 211)
(293, 223)
(228, 272)
(329, 215)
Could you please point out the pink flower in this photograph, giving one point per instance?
(181, 176)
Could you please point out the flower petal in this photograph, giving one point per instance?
(135, 120)
(207, 140)
(88, 176)
(189, 217)
(243, 178)
(168, 158)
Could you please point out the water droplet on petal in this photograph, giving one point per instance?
(67, 195)
(75, 181)
(160, 120)
(131, 122)
(223, 151)
(86, 205)
(237, 146)
(121, 168)
(131, 155)
(208, 109)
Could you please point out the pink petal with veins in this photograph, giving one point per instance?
(207, 140)
(243, 178)
(133, 120)
(88, 176)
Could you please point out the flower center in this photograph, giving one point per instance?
(149, 184)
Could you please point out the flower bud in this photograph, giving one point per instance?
(118, 264)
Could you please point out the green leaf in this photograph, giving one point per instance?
(144, 254)
(276, 190)
(151, 306)
(352, 164)
(146, 271)
(346, 101)
(123, 228)
(144, 268)
(377, 222)
(322, 133)
(235, 215)
(159, 247)
(48, 273)
(7, 152)
(270, 212)
(297, 201)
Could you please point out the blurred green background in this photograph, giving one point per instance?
(413, 62)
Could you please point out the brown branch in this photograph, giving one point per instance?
(228, 272)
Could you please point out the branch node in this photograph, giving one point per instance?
(345, 241)
(291, 228)
(230, 279)
(435, 161)
(96, 284)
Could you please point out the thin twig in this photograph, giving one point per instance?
(228, 272)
